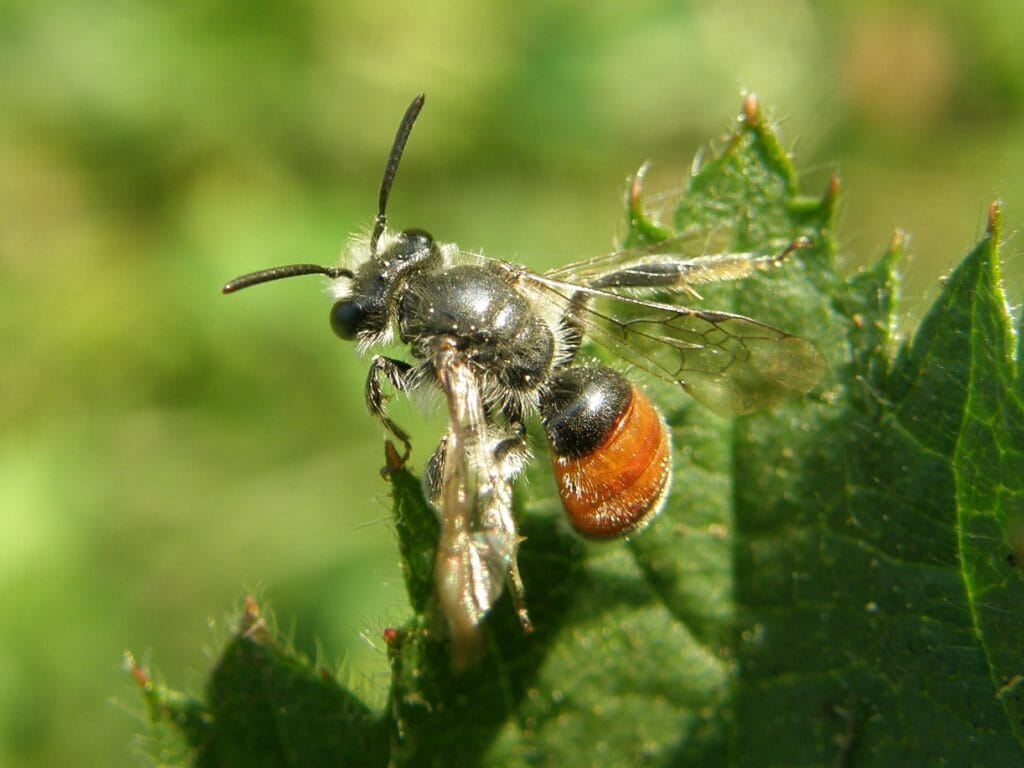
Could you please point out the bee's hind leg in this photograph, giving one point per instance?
(511, 455)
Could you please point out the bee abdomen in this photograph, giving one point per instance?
(611, 451)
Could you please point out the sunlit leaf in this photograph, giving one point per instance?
(835, 582)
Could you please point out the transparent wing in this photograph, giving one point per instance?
(678, 263)
(478, 541)
(730, 363)
(693, 243)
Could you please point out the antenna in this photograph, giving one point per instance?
(402, 136)
(294, 270)
(279, 273)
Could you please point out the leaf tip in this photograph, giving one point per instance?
(830, 199)
(641, 229)
(898, 242)
(995, 219)
(138, 674)
(251, 624)
(832, 191)
(636, 189)
(393, 461)
(751, 110)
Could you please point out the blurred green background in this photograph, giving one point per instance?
(165, 449)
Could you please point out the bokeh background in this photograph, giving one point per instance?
(164, 450)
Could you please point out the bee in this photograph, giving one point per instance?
(502, 344)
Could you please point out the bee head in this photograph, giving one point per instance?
(363, 306)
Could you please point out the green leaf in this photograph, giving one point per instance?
(836, 582)
(862, 632)
(265, 706)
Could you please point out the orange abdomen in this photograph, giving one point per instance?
(619, 486)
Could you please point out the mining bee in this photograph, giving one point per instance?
(502, 344)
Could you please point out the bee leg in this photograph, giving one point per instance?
(433, 473)
(511, 455)
(399, 374)
(515, 583)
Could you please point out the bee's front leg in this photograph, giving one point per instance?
(400, 375)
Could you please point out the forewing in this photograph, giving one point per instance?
(689, 245)
(730, 363)
(471, 565)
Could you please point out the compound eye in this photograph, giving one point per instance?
(347, 318)
(418, 240)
